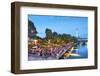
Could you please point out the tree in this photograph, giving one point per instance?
(55, 34)
(48, 33)
(31, 29)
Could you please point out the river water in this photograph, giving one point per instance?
(82, 51)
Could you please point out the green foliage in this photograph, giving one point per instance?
(31, 29)
(31, 26)
(57, 38)
(55, 34)
(48, 33)
(52, 38)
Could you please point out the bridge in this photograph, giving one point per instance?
(82, 41)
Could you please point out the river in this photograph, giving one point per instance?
(82, 51)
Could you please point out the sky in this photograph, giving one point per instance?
(73, 25)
